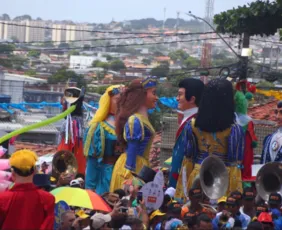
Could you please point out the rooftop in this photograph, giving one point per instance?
(39, 149)
(264, 111)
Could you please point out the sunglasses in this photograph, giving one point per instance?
(276, 111)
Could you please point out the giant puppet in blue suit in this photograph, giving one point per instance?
(189, 96)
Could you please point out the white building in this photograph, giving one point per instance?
(35, 34)
(10, 29)
(58, 33)
(69, 33)
(13, 85)
(83, 62)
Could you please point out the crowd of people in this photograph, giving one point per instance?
(116, 146)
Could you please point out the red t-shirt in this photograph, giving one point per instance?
(26, 207)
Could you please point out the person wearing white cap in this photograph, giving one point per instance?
(101, 221)
(170, 191)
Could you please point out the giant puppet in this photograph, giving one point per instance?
(133, 129)
(189, 96)
(100, 143)
(214, 132)
(244, 93)
(272, 144)
(71, 136)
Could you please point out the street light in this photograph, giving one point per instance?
(202, 19)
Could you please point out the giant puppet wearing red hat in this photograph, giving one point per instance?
(244, 93)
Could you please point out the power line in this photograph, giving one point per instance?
(106, 39)
(260, 40)
(121, 45)
(91, 31)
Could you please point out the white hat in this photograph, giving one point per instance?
(170, 191)
(74, 182)
(100, 219)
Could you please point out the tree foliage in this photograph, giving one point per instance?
(100, 64)
(161, 70)
(6, 48)
(63, 75)
(117, 65)
(30, 72)
(178, 55)
(23, 18)
(191, 62)
(256, 18)
(146, 61)
(33, 53)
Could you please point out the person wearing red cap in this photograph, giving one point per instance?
(266, 220)
(25, 206)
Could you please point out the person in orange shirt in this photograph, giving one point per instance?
(25, 206)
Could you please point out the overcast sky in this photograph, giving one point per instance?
(106, 10)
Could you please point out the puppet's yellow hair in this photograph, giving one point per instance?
(104, 105)
(23, 160)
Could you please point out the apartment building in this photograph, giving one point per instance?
(22, 30)
(68, 33)
(58, 33)
(34, 31)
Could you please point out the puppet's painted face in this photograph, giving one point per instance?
(114, 101)
(278, 112)
(183, 104)
(151, 98)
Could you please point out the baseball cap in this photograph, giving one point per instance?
(222, 199)
(265, 217)
(156, 213)
(100, 219)
(23, 162)
(232, 201)
(236, 194)
(75, 183)
(274, 198)
(195, 192)
(174, 207)
(170, 191)
(81, 214)
(248, 194)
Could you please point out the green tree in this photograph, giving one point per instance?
(117, 65)
(178, 55)
(63, 75)
(6, 48)
(146, 61)
(161, 70)
(191, 62)
(100, 64)
(64, 46)
(30, 72)
(33, 53)
(109, 57)
(5, 17)
(73, 53)
(258, 18)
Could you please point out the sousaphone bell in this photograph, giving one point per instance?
(64, 162)
(214, 177)
(269, 179)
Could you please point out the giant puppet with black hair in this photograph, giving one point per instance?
(214, 132)
(71, 135)
(244, 93)
(189, 97)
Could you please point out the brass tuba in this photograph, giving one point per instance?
(214, 177)
(64, 162)
(269, 179)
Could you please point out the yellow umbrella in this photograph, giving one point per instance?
(168, 161)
